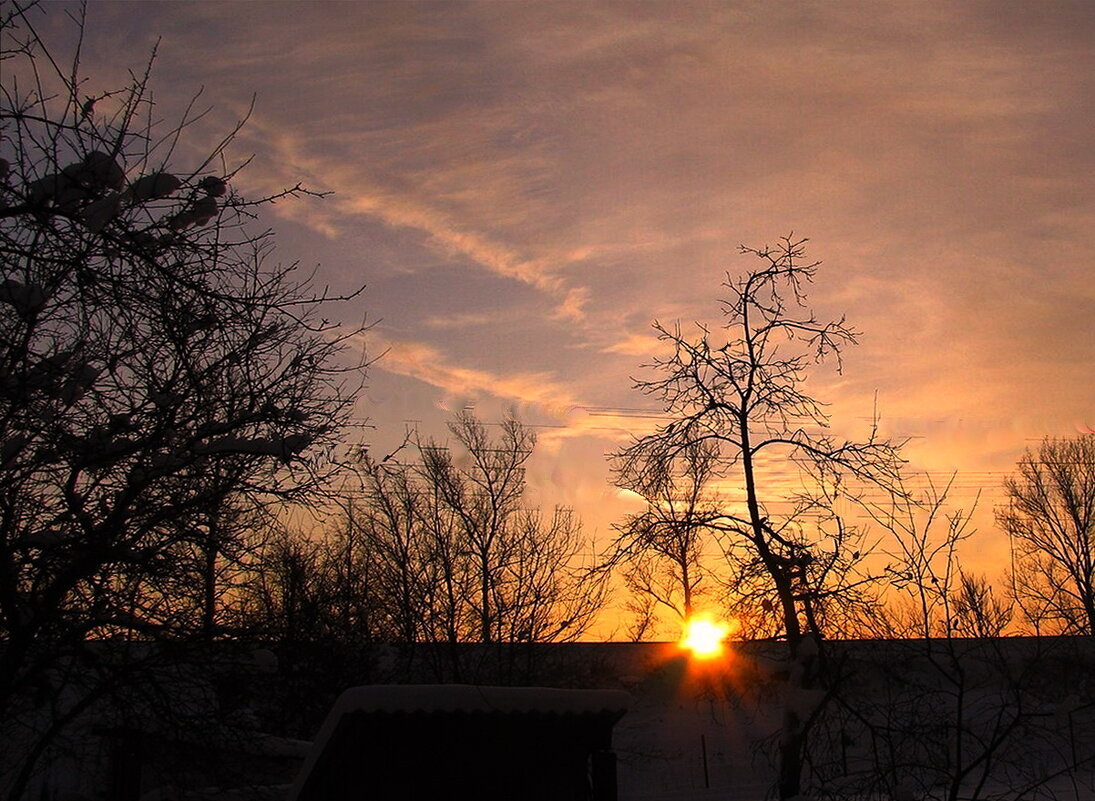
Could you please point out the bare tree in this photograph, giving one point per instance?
(978, 611)
(156, 370)
(945, 708)
(741, 394)
(924, 565)
(485, 497)
(290, 592)
(515, 566)
(662, 548)
(833, 582)
(743, 397)
(447, 549)
(406, 551)
(1050, 519)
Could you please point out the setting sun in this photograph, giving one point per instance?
(704, 637)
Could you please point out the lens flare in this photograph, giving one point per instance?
(704, 637)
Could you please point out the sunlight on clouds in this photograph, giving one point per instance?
(458, 320)
(640, 345)
(428, 364)
(611, 157)
(541, 394)
(573, 305)
(406, 213)
(354, 197)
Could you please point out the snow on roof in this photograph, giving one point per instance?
(440, 698)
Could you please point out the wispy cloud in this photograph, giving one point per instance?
(428, 364)
(355, 196)
(447, 234)
(460, 320)
(541, 396)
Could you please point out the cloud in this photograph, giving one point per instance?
(355, 195)
(641, 345)
(538, 394)
(449, 235)
(460, 320)
(428, 364)
(573, 305)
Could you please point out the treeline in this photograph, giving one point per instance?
(873, 562)
(443, 548)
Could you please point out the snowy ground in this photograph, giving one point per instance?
(686, 737)
(699, 731)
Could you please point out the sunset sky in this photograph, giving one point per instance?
(524, 187)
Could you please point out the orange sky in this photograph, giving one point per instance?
(524, 187)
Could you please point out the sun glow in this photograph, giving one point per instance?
(704, 637)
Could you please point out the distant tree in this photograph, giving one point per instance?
(945, 708)
(288, 594)
(457, 533)
(485, 498)
(1050, 519)
(741, 394)
(443, 548)
(925, 580)
(661, 549)
(978, 611)
(402, 550)
(159, 375)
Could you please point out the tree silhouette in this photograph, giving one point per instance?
(160, 376)
(1050, 518)
(960, 712)
(661, 549)
(740, 394)
(458, 554)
